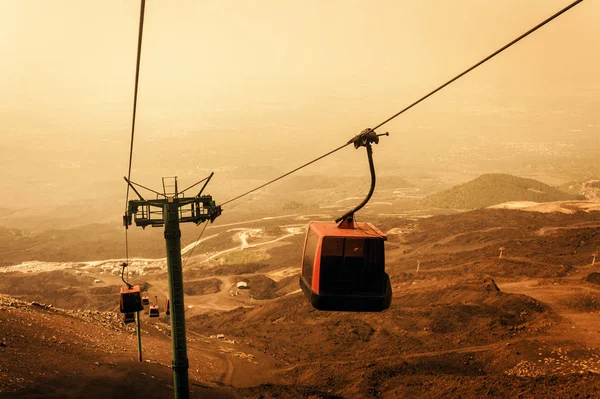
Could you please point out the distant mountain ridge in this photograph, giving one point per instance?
(496, 188)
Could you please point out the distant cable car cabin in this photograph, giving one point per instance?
(131, 301)
(154, 311)
(168, 307)
(343, 265)
(145, 300)
(154, 308)
(128, 318)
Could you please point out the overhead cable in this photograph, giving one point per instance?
(196, 243)
(286, 174)
(135, 95)
(495, 53)
(547, 20)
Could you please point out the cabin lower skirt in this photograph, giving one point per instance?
(349, 303)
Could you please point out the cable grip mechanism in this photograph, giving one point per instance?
(366, 137)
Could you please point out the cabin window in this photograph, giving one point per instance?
(351, 266)
(309, 256)
(332, 246)
(354, 248)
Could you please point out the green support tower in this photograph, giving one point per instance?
(170, 210)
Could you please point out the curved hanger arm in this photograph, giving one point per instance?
(365, 139)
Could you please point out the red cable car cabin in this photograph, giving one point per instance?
(154, 311)
(344, 268)
(128, 318)
(131, 300)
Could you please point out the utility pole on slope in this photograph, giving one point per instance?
(170, 210)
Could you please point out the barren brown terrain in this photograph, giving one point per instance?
(464, 322)
(122, 120)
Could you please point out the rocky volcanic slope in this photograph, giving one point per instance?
(535, 244)
(52, 353)
(460, 338)
(451, 331)
(463, 323)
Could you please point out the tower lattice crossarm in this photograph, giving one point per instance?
(190, 210)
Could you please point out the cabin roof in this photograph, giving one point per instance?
(331, 229)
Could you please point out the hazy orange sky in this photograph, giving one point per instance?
(323, 70)
(65, 58)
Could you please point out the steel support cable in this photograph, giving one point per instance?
(135, 94)
(495, 53)
(197, 243)
(547, 20)
(286, 174)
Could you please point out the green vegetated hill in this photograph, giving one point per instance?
(492, 189)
